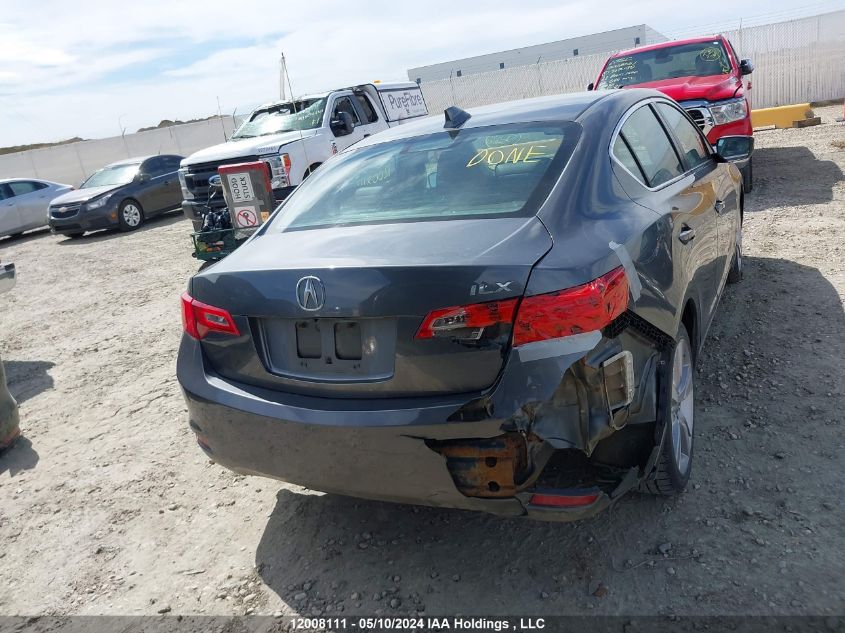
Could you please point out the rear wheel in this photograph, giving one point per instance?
(674, 465)
(130, 215)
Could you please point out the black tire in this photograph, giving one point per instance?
(671, 473)
(130, 215)
(310, 170)
(735, 273)
(748, 177)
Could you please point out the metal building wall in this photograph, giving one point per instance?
(563, 49)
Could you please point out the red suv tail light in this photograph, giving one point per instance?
(591, 306)
(198, 319)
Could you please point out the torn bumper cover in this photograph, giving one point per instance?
(481, 454)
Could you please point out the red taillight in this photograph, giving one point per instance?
(463, 320)
(286, 163)
(555, 500)
(198, 318)
(585, 308)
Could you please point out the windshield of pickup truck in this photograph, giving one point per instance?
(116, 175)
(487, 172)
(306, 114)
(700, 59)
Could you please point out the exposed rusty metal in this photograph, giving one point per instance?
(490, 467)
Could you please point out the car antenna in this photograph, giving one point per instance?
(455, 117)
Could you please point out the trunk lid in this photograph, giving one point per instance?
(371, 288)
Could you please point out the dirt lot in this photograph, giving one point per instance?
(108, 507)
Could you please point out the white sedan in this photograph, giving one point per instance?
(24, 203)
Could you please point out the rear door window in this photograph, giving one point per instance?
(370, 115)
(23, 187)
(693, 145)
(493, 171)
(652, 148)
(623, 154)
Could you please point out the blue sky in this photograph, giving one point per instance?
(92, 67)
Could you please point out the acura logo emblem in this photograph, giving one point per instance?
(310, 293)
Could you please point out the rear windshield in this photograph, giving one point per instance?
(701, 59)
(494, 171)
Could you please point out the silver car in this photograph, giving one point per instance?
(24, 203)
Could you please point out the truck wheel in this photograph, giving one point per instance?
(310, 170)
(748, 177)
(674, 465)
(130, 215)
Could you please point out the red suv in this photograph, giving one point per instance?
(704, 75)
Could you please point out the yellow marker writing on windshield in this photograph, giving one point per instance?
(496, 155)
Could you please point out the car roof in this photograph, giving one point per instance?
(4, 181)
(565, 107)
(137, 160)
(654, 47)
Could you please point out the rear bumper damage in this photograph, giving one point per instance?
(486, 453)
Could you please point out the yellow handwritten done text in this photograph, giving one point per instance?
(493, 156)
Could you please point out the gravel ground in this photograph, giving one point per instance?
(108, 507)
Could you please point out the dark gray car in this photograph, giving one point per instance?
(498, 313)
(121, 195)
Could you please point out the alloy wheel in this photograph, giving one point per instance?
(682, 406)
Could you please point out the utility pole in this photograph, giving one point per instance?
(282, 72)
(123, 133)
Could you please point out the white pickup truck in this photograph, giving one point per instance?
(295, 137)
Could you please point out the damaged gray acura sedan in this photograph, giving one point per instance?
(499, 312)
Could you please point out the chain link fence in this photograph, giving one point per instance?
(796, 61)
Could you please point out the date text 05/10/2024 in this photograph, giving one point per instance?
(419, 623)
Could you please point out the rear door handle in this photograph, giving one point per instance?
(719, 206)
(687, 234)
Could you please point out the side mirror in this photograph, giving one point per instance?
(343, 124)
(746, 67)
(142, 178)
(735, 149)
(590, 86)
